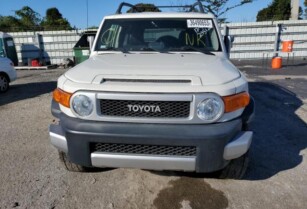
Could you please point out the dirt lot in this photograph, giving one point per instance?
(31, 175)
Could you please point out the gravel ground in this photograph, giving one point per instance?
(31, 176)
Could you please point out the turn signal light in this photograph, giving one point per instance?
(235, 102)
(62, 97)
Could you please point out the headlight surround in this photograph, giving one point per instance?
(82, 105)
(210, 109)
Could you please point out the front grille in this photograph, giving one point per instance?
(145, 109)
(144, 149)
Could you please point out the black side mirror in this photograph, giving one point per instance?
(228, 40)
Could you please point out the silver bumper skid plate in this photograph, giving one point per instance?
(100, 159)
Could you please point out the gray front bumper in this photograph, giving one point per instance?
(216, 144)
(232, 150)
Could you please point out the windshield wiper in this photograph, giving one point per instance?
(124, 50)
(192, 48)
(149, 49)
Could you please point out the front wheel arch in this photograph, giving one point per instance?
(6, 75)
(3, 74)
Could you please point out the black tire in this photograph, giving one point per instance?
(70, 166)
(4, 83)
(236, 168)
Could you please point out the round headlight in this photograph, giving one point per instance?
(210, 109)
(82, 105)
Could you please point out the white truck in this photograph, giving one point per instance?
(7, 73)
(158, 92)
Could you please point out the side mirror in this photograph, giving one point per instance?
(228, 40)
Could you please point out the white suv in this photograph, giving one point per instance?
(7, 73)
(158, 92)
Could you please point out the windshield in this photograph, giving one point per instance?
(158, 35)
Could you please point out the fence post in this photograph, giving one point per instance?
(277, 38)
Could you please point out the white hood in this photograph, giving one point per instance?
(208, 69)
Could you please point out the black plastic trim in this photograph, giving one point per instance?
(248, 112)
(55, 109)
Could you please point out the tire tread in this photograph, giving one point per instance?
(236, 168)
(70, 166)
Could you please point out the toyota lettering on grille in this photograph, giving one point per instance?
(144, 108)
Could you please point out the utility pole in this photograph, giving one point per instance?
(294, 9)
(86, 14)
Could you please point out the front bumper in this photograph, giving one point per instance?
(12, 74)
(216, 144)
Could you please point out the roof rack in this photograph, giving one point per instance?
(135, 8)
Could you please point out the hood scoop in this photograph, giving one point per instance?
(145, 80)
(165, 81)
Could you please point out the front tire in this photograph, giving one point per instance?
(4, 83)
(236, 168)
(70, 166)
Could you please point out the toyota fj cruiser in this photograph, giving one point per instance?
(158, 92)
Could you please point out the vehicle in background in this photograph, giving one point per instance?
(7, 73)
(7, 48)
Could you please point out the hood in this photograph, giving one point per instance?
(208, 69)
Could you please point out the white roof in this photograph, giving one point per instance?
(161, 15)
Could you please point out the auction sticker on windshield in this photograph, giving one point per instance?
(199, 23)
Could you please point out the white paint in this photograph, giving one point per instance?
(5, 66)
(207, 67)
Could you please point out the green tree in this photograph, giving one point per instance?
(54, 20)
(145, 8)
(9, 24)
(305, 4)
(28, 17)
(219, 7)
(93, 27)
(277, 10)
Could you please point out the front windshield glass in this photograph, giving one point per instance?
(158, 35)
